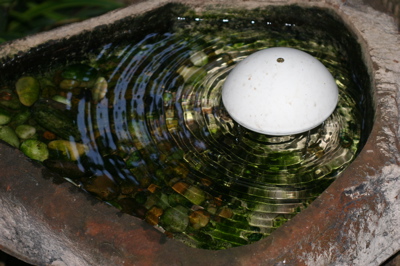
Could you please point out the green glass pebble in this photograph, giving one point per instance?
(175, 219)
(28, 90)
(25, 131)
(35, 149)
(162, 200)
(192, 74)
(199, 58)
(8, 135)
(150, 202)
(20, 118)
(195, 195)
(54, 117)
(99, 89)
(69, 149)
(5, 116)
(175, 199)
(61, 99)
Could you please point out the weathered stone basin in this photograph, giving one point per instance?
(354, 222)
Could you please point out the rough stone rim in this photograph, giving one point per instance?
(369, 188)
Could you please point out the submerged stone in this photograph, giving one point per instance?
(28, 89)
(5, 116)
(25, 131)
(20, 118)
(192, 74)
(199, 58)
(153, 215)
(199, 219)
(8, 135)
(195, 195)
(61, 99)
(99, 89)
(103, 186)
(55, 117)
(69, 149)
(35, 149)
(175, 219)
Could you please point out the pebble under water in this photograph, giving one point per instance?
(141, 126)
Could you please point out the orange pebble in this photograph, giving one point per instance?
(152, 188)
(153, 215)
(180, 187)
(49, 135)
(5, 96)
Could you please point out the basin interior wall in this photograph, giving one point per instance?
(355, 221)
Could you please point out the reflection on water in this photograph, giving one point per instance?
(154, 140)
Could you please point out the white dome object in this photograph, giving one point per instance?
(280, 91)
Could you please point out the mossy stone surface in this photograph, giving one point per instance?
(35, 149)
(25, 131)
(8, 135)
(175, 219)
(5, 116)
(28, 90)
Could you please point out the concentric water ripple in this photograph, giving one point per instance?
(139, 123)
(187, 167)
